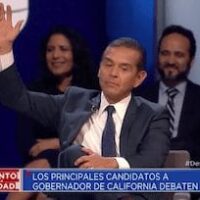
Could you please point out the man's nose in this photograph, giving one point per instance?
(171, 59)
(114, 71)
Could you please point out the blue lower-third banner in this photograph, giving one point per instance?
(133, 180)
(77, 180)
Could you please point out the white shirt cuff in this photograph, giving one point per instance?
(122, 162)
(6, 60)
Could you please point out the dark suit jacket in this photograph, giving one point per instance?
(144, 139)
(188, 137)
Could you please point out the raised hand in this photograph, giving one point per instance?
(8, 32)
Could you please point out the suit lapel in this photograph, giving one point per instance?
(187, 108)
(129, 118)
(77, 119)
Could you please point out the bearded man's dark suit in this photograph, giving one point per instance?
(188, 137)
(144, 139)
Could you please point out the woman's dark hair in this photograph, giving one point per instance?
(82, 69)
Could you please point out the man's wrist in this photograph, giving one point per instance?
(5, 48)
(111, 163)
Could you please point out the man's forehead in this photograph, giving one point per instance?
(121, 57)
(175, 39)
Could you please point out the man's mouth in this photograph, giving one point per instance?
(110, 83)
(168, 66)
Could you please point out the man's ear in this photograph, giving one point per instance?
(98, 73)
(141, 75)
(191, 63)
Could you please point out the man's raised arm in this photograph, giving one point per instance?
(13, 93)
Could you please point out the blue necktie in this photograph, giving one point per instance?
(108, 137)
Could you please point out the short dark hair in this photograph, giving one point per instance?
(132, 44)
(182, 31)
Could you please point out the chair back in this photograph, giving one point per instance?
(177, 159)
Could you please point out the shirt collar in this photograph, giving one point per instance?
(120, 107)
(181, 87)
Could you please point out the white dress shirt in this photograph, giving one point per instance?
(91, 133)
(178, 102)
(6, 60)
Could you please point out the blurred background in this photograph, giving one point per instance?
(98, 22)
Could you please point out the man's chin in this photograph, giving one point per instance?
(176, 78)
(173, 76)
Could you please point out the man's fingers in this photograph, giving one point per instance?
(18, 25)
(87, 151)
(81, 160)
(2, 12)
(85, 165)
(9, 13)
(9, 19)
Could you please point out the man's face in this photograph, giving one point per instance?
(174, 59)
(118, 72)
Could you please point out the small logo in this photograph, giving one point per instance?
(9, 180)
(192, 163)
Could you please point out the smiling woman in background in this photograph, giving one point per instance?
(66, 62)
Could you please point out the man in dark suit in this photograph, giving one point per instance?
(176, 51)
(141, 128)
